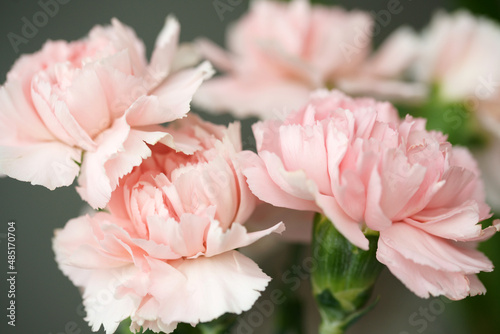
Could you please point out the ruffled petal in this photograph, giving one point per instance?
(219, 241)
(18, 117)
(164, 52)
(170, 100)
(50, 164)
(266, 188)
(94, 185)
(426, 250)
(206, 287)
(426, 280)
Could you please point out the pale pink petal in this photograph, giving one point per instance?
(181, 142)
(216, 55)
(119, 85)
(337, 144)
(348, 227)
(229, 282)
(403, 42)
(304, 148)
(147, 318)
(460, 223)
(158, 251)
(454, 191)
(87, 102)
(294, 182)
(99, 285)
(263, 99)
(475, 286)
(434, 252)
(125, 38)
(41, 94)
(164, 52)
(18, 118)
(425, 280)
(170, 100)
(462, 157)
(375, 217)
(219, 241)
(348, 189)
(185, 237)
(400, 181)
(329, 49)
(135, 149)
(76, 245)
(268, 190)
(94, 185)
(247, 201)
(71, 126)
(187, 55)
(101, 305)
(51, 164)
(487, 232)
(209, 184)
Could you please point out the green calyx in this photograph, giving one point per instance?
(344, 277)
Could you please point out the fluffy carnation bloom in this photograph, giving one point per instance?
(356, 162)
(457, 52)
(165, 252)
(279, 52)
(94, 99)
(460, 53)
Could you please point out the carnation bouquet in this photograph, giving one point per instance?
(292, 179)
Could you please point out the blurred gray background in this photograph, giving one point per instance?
(46, 300)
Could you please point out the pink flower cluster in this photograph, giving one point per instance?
(356, 162)
(176, 197)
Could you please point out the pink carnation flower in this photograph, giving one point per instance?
(90, 107)
(165, 252)
(356, 162)
(457, 52)
(279, 52)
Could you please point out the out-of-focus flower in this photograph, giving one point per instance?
(279, 53)
(90, 107)
(456, 51)
(165, 252)
(455, 57)
(386, 74)
(459, 54)
(356, 162)
(488, 159)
